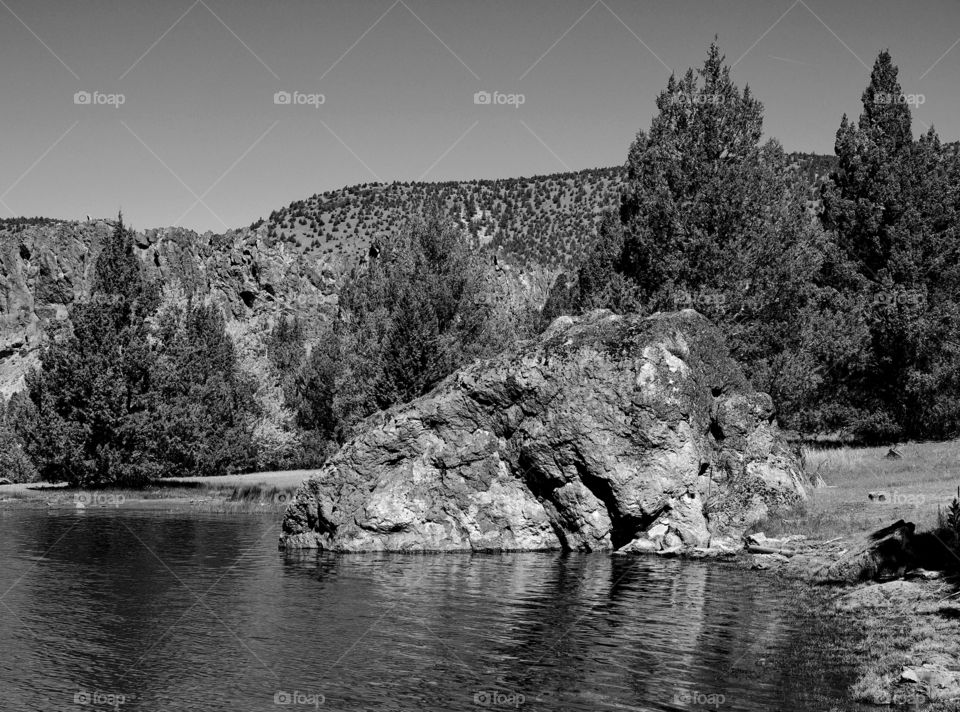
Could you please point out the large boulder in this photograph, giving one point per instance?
(608, 432)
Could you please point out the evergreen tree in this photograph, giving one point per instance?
(317, 383)
(711, 221)
(601, 279)
(92, 395)
(412, 354)
(286, 349)
(892, 205)
(16, 419)
(419, 307)
(204, 409)
(126, 398)
(119, 274)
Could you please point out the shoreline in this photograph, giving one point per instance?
(908, 625)
(267, 492)
(908, 616)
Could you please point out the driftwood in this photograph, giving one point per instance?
(757, 549)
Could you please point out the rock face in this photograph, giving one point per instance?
(609, 432)
(45, 267)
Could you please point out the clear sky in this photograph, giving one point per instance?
(199, 140)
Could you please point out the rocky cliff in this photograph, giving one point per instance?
(606, 433)
(46, 265)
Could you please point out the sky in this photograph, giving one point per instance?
(170, 110)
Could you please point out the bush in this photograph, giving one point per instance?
(15, 464)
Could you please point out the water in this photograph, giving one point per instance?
(201, 612)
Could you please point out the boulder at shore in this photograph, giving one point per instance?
(608, 432)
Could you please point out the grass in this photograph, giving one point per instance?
(921, 625)
(267, 492)
(918, 486)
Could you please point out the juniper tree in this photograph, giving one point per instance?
(711, 220)
(892, 205)
(204, 413)
(92, 394)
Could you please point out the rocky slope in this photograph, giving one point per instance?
(608, 432)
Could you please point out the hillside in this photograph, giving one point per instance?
(293, 262)
(548, 220)
(544, 218)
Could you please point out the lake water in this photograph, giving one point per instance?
(131, 610)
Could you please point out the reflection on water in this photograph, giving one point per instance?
(200, 612)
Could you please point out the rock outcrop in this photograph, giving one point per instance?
(629, 433)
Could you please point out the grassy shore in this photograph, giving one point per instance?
(915, 488)
(267, 492)
(906, 626)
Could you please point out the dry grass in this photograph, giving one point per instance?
(280, 478)
(917, 486)
(266, 492)
(922, 626)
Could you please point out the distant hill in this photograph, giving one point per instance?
(549, 220)
(542, 219)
